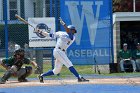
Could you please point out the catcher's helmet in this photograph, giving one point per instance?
(72, 27)
(19, 52)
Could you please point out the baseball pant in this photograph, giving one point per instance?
(61, 58)
(122, 65)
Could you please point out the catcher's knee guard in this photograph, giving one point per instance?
(6, 76)
(28, 72)
(14, 69)
(28, 69)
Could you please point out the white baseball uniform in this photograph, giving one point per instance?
(63, 42)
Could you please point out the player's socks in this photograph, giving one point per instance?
(72, 69)
(49, 73)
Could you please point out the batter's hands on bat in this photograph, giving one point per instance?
(61, 21)
(37, 30)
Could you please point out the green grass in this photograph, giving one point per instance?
(82, 70)
(64, 71)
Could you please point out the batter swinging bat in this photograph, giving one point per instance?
(24, 21)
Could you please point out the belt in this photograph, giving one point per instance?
(61, 49)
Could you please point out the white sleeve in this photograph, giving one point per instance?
(52, 35)
(57, 34)
(45, 34)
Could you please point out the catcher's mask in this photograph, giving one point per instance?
(19, 53)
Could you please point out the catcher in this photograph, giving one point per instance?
(13, 65)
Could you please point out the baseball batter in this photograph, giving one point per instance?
(64, 40)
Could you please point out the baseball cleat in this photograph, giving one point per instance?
(82, 80)
(40, 79)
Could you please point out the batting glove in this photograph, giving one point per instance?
(61, 21)
(37, 30)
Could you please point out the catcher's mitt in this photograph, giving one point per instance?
(38, 70)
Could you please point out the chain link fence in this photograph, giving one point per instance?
(15, 33)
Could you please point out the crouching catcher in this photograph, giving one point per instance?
(13, 66)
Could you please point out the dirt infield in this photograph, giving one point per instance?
(122, 81)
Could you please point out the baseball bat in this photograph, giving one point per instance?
(23, 20)
(96, 65)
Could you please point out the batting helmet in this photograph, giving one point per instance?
(72, 27)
